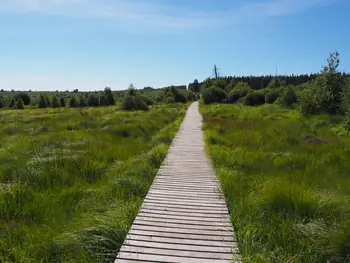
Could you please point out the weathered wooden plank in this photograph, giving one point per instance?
(206, 219)
(184, 221)
(180, 235)
(174, 252)
(190, 198)
(184, 192)
(186, 208)
(192, 215)
(173, 240)
(185, 203)
(187, 247)
(189, 211)
(173, 259)
(181, 230)
(182, 225)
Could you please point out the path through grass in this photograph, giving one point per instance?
(72, 180)
(286, 181)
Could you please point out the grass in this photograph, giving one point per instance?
(72, 180)
(286, 181)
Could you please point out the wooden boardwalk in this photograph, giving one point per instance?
(184, 217)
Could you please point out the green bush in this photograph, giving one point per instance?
(63, 102)
(233, 96)
(178, 95)
(289, 98)
(271, 96)
(191, 96)
(307, 101)
(24, 96)
(243, 89)
(19, 104)
(109, 94)
(12, 103)
(73, 102)
(42, 102)
(169, 99)
(103, 101)
(214, 95)
(275, 83)
(254, 98)
(133, 102)
(82, 102)
(55, 102)
(147, 99)
(93, 100)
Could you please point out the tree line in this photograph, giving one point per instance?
(22, 99)
(327, 92)
(255, 82)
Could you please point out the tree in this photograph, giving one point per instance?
(213, 95)
(12, 103)
(73, 102)
(93, 101)
(19, 104)
(330, 87)
(63, 102)
(48, 102)
(109, 94)
(55, 102)
(2, 104)
(42, 102)
(195, 87)
(24, 96)
(104, 100)
(82, 102)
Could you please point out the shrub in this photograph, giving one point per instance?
(289, 98)
(12, 103)
(169, 99)
(82, 102)
(63, 102)
(55, 102)
(42, 102)
(191, 96)
(48, 102)
(147, 99)
(176, 94)
(2, 104)
(271, 96)
(214, 94)
(133, 102)
(233, 96)
(243, 89)
(254, 98)
(109, 94)
(307, 101)
(103, 100)
(93, 100)
(73, 102)
(275, 83)
(19, 104)
(24, 96)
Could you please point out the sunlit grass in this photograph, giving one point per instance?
(72, 180)
(286, 181)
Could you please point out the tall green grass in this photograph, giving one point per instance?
(286, 181)
(72, 180)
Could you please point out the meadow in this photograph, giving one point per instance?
(73, 179)
(286, 180)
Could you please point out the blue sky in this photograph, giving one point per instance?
(90, 44)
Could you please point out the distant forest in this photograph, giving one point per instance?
(256, 82)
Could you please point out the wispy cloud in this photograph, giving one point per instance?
(153, 13)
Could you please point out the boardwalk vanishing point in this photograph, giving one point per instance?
(184, 217)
